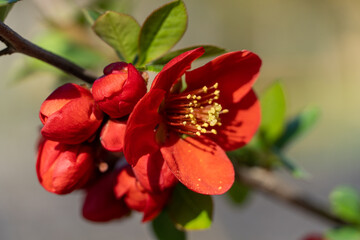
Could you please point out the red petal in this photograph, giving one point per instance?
(140, 132)
(235, 72)
(100, 204)
(125, 180)
(153, 173)
(200, 164)
(59, 97)
(112, 135)
(154, 205)
(240, 124)
(75, 122)
(174, 69)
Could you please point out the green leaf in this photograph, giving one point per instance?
(161, 31)
(154, 68)
(238, 193)
(345, 203)
(120, 31)
(298, 126)
(6, 2)
(164, 228)
(289, 165)
(209, 52)
(190, 210)
(344, 233)
(91, 15)
(273, 113)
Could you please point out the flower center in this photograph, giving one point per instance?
(195, 112)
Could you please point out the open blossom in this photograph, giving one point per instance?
(119, 89)
(70, 115)
(62, 168)
(188, 131)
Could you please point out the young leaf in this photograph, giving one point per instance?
(91, 15)
(345, 203)
(190, 210)
(289, 165)
(164, 228)
(272, 112)
(344, 233)
(120, 31)
(298, 126)
(5, 2)
(161, 31)
(209, 52)
(154, 68)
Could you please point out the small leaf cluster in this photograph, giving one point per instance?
(345, 203)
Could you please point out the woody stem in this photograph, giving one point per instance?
(266, 182)
(17, 44)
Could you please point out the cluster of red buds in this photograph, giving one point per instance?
(129, 148)
(83, 136)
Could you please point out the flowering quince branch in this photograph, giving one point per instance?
(17, 44)
(131, 149)
(266, 182)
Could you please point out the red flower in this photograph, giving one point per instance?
(190, 130)
(63, 168)
(70, 115)
(119, 89)
(136, 197)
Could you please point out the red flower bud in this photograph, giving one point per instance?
(112, 135)
(119, 89)
(63, 168)
(136, 197)
(314, 236)
(70, 115)
(100, 204)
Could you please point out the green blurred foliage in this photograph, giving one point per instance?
(164, 229)
(344, 233)
(345, 203)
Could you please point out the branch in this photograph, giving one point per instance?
(264, 181)
(16, 43)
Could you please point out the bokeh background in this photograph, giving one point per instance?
(312, 46)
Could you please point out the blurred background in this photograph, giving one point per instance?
(313, 47)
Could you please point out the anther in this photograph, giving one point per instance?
(213, 131)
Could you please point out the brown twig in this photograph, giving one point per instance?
(265, 181)
(16, 43)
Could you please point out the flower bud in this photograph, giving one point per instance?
(136, 197)
(119, 89)
(112, 135)
(70, 115)
(62, 168)
(100, 203)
